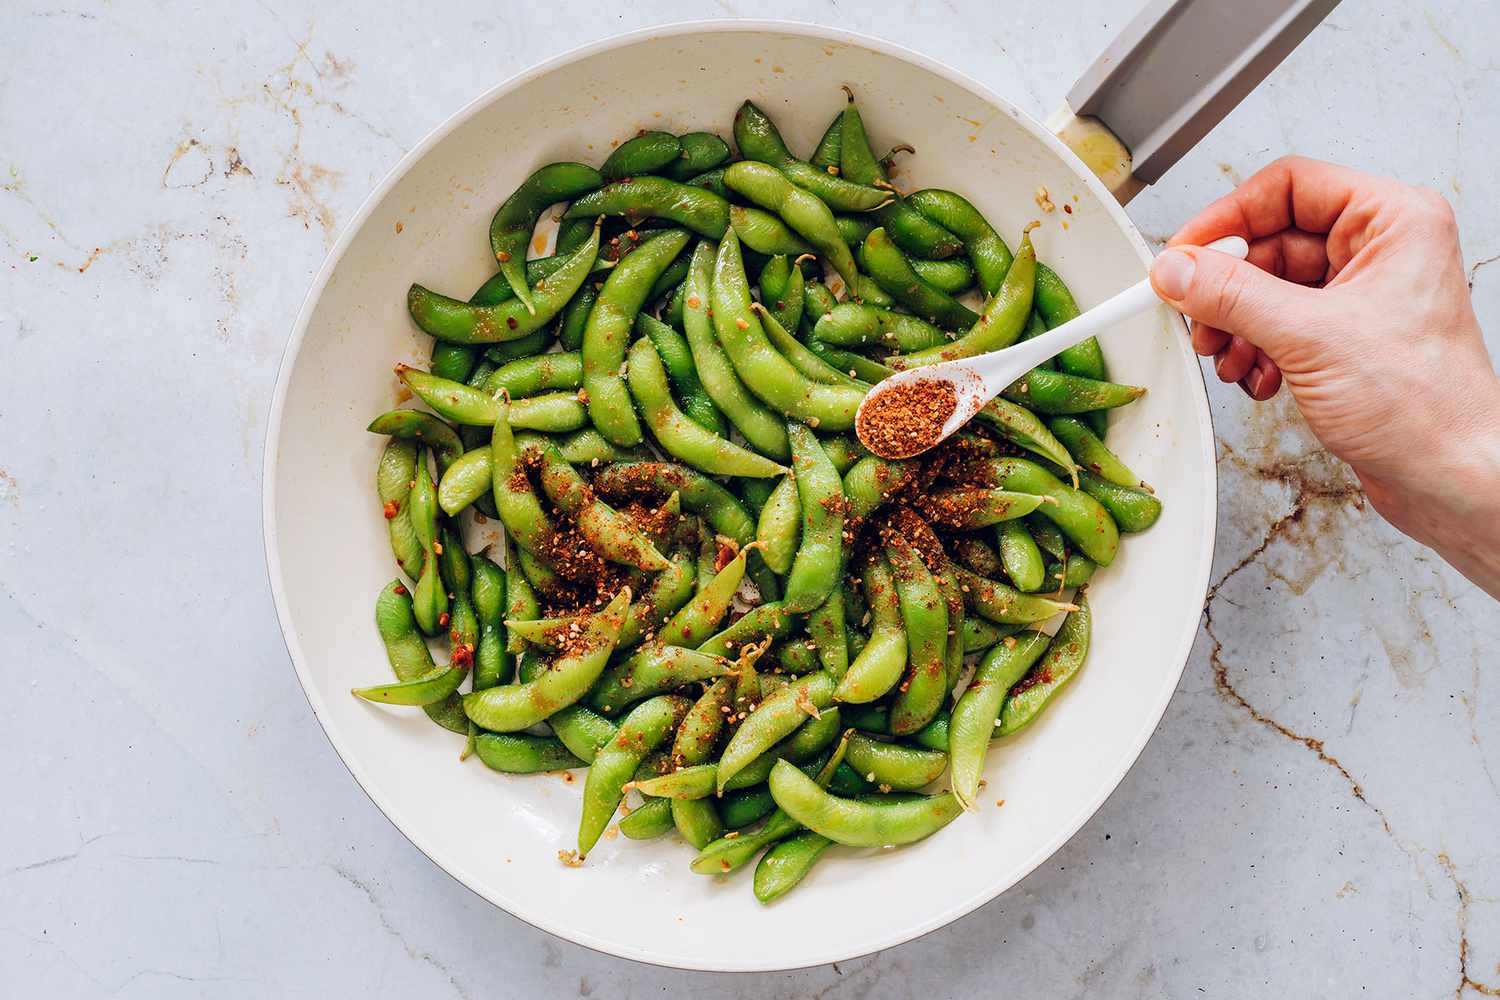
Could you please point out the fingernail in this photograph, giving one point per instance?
(1254, 380)
(1173, 273)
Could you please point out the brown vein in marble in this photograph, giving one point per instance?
(1333, 489)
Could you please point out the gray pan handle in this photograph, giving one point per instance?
(1173, 74)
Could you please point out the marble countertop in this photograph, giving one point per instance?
(1316, 816)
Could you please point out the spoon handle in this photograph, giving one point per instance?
(1138, 298)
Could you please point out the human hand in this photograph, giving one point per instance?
(1354, 293)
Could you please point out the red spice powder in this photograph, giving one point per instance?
(906, 419)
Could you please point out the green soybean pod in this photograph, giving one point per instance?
(541, 373)
(452, 361)
(803, 358)
(740, 808)
(406, 652)
(972, 723)
(1057, 305)
(1020, 556)
(893, 765)
(520, 599)
(758, 139)
(855, 324)
(677, 358)
(492, 664)
(510, 229)
(464, 323)
(775, 718)
(826, 629)
(827, 152)
(854, 228)
(647, 725)
(1082, 518)
(912, 231)
(606, 336)
(871, 480)
(1133, 510)
(782, 289)
(1062, 661)
(763, 429)
(393, 478)
(429, 601)
(1020, 426)
(1046, 535)
(521, 753)
(575, 317)
(642, 198)
(979, 635)
(1054, 393)
(765, 232)
(878, 666)
(952, 277)
(864, 822)
(701, 151)
(648, 822)
(816, 568)
(1005, 605)
(843, 451)
(767, 373)
(710, 180)
(1003, 319)
(779, 525)
(697, 820)
(975, 554)
(803, 211)
(988, 252)
(513, 707)
(1074, 571)
(646, 153)
(858, 366)
(1090, 452)
(884, 262)
(925, 617)
(786, 864)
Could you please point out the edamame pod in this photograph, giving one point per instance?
(764, 430)
(819, 560)
(642, 198)
(514, 707)
(894, 766)
(510, 229)
(769, 375)
(1062, 661)
(1003, 604)
(606, 336)
(646, 153)
(972, 723)
(879, 665)
(521, 753)
(459, 322)
(676, 433)
(647, 725)
(880, 258)
(805, 213)
(758, 139)
(854, 324)
(677, 359)
(865, 822)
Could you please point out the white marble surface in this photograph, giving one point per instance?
(1316, 817)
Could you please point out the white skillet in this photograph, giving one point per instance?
(327, 552)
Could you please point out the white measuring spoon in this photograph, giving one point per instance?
(979, 379)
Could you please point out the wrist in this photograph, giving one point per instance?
(1451, 502)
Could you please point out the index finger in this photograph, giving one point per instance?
(1292, 193)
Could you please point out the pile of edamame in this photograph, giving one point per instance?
(711, 596)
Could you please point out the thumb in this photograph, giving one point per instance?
(1233, 295)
